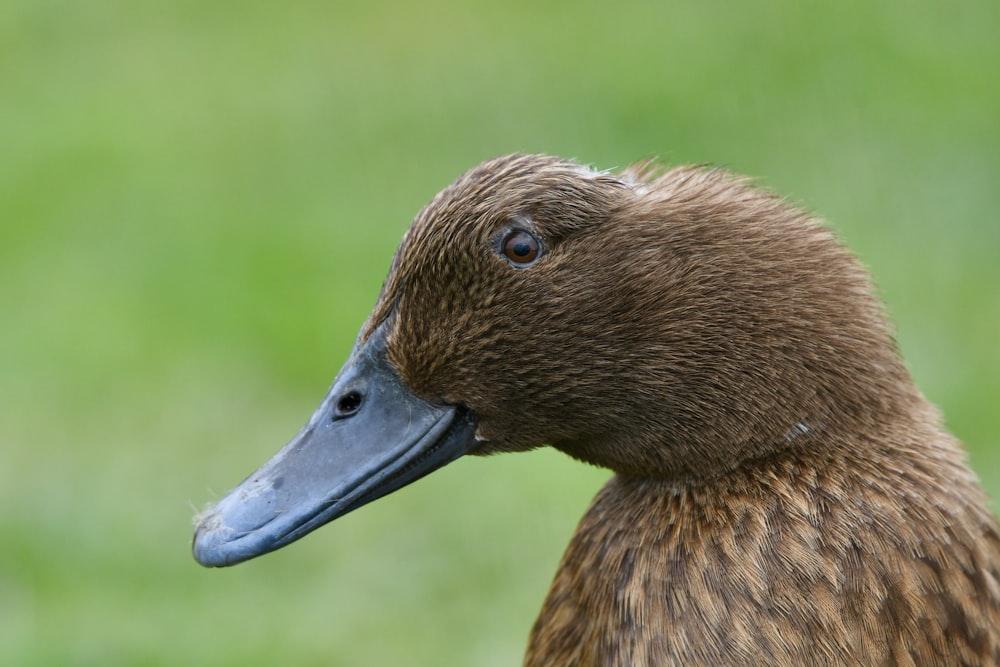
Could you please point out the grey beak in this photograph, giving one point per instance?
(369, 437)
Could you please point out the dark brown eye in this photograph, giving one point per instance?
(520, 247)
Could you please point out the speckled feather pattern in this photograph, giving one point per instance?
(783, 494)
(823, 562)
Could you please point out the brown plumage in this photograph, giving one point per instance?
(783, 494)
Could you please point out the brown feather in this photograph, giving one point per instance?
(783, 494)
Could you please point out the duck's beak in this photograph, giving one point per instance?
(369, 437)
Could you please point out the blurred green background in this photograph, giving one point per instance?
(199, 201)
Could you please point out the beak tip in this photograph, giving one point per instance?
(240, 526)
(214, 544)
(206, 544)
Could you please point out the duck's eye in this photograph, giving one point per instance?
(520, 247)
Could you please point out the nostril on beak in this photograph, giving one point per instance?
(348, 404)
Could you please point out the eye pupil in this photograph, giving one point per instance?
(520, 247)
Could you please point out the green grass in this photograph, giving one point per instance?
(198, 203)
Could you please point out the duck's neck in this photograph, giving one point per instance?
(800, 557)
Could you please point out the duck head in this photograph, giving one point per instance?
(669, 325)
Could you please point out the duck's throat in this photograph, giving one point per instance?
(761, 563)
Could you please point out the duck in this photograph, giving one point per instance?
(781, 492)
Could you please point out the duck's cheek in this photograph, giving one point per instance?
(494, 437)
